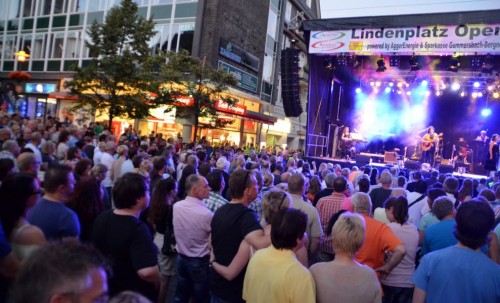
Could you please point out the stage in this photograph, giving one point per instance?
(407, 166)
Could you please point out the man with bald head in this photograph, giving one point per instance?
(191, 221)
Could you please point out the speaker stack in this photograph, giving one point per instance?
(290, 91)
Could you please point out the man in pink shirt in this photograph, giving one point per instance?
(191, 221)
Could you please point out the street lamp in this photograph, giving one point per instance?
(21, 58)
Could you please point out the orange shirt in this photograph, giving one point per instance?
(379, 239)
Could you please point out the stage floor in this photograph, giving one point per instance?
(351, 163)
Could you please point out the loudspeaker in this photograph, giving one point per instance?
(390, 157)
(413, 165)
(362, 159)
(290, 89)
(445, 169)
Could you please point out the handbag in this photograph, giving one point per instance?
(168, 247)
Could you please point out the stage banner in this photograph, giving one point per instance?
(428, 40)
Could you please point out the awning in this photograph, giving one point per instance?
(252, 116)
(61, 95)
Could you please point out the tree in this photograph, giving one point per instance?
(190, 79)
(116, 80)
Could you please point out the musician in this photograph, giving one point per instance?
(482, 137)
(347, 146)
(482, 147)
(491, 161)
(429, 142)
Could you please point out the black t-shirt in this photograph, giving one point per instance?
(378, 197)
(230, 224)
(127, 243)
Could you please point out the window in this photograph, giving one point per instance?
(73, 43)
(57, 45)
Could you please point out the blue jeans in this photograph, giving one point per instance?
(192, 280)
(394, 294)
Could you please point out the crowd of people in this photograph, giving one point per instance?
(90, 217)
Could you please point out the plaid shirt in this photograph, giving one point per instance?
(327, 207)
(256, 206)
(214, 201)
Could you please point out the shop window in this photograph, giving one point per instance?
(54, 66)
(76, 20)
(42, 22)
(37, 66)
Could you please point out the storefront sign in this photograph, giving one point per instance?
(40, 88)
(238, 55)
(184, 101)
(237, 109)
(439, 39)
(245, 80)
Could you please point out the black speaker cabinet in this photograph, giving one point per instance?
(412, 165)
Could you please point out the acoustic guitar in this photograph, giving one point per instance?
(428, 143)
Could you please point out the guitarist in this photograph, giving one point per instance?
(429, 142)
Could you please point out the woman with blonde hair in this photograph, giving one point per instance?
(344, 279)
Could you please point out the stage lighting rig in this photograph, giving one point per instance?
(414, 66)
(381, 65)
(454, 63)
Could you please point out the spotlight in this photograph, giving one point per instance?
(476, 84)
(414, 66)
(381, 65)
(387, 90)
(443, 85)
(485, 112)
(480, 94)
(408, 92)
(474, 95)
(487, 66)
(352, 61)
(375, 90)
(439, 93)
(328, 64)
(391, 84)
(372, 83)
(427, 93)
(358, 90)
(400, 84)
(424, 83)
(476, 62)
(462, 94)
(455, 86)
(399, 92)
(490, 87)
(496, 95)
(341, 60)
(454, 64)
(378, 83)
(394, 61)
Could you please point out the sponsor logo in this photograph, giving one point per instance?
(328, 35)
(327, 45)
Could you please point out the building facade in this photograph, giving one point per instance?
(233, 35)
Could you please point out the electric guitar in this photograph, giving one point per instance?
(452, 159)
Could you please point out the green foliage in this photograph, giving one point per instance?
(116, 80)
(185, 76)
